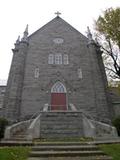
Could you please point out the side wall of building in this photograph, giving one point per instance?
(2, 93)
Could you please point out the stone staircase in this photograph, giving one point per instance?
(61, 124)
(66, 151)
(17, 139)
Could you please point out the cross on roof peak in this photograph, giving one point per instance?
(57, 13)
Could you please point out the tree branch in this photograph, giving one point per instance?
(115, 76)
(110, 69)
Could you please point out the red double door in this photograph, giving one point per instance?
(58, 101)
(58, 97)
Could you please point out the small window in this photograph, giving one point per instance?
(58, 58)
(1, 103)
(51, 59)
(3, 91)
(80, 73)
(65, 59)
(36, 72)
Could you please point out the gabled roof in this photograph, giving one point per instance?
(56, 19)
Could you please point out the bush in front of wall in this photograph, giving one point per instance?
(3, 124)
(116, 123)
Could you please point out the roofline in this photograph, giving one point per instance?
(54, 20)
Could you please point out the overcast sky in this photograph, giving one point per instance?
(15, 14)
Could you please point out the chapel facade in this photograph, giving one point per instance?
(57, 69)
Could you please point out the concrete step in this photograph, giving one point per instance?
(107, 140)
(15, 143)
(45, 119)
(63, 135)
(72, 158)
(37, 143)
(65, 153)
(61, 131)
(20, 134)
(60, 120)
(18, 139)
(61, 124)
(65, 148)
(61, 113)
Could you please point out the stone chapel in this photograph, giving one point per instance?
(57, 82)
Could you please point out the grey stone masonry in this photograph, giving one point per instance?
(12, 99)
(86, 93)
(100, 84)
(2, 93)
(27, 93)
(61, 124)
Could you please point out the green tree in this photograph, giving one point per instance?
(108, 29)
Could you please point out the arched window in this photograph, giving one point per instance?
(58, 58)
(51, 59)
(58, 87)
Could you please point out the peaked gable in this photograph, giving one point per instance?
(59, 21)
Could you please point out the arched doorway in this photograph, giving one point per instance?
(58, 97)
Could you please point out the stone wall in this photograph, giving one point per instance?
(87, 93)
(12, 99)
(2, 93)
(27, 94)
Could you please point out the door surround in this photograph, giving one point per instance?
(58, 97)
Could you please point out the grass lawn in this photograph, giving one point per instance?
(21, 153)
(112, 149)
(14, 153)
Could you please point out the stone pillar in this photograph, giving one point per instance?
(100, 84)
(12, 100)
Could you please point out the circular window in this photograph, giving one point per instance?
(58, 40)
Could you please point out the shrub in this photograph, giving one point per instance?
(3, 124)
(116, 123)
